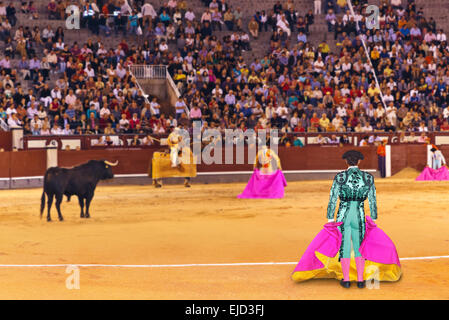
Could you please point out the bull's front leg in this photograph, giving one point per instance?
(81, 202)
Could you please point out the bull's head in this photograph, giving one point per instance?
(108, 169)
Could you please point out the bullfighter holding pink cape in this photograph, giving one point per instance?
(436, 168)
(364, 250)
(267, 180)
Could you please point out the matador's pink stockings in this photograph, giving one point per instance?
(360, 264)
(345, 263)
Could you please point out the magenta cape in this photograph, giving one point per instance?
(320, 259)
(264, 186)
(429, 174)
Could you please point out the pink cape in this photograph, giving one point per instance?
(429, 174)
(376, 246)
(261, 186)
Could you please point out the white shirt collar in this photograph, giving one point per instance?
(353, 167)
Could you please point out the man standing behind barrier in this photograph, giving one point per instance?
(381, 153)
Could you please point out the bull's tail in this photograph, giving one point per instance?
(43, 194)
(42, 203)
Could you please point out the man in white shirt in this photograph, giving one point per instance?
(155, 107)
(217, 91)
(70, 98)
(10, 110)
(56, 93)
(388, 97)
(120, 71)
(441, 36)
(36, 121)
(318, 65)
(396, 3)
(2, 9)
(284, 25)
(317, 6)
(445, 112)
(180, 107)
(367, 127)
(104, 111)
(148, 14)
(123, 122)
(67, 130)
(337, 122)
(163, 46)
(189, 16)
(56, 130)
(32, 111)
(89, 71)
(391, 113)
(341, 111)
(125, 9)
(13, 121)
(345, 90)
(282, 112)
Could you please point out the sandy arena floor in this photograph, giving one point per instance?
(140, 225)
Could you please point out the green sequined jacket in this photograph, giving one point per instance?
(353, 185)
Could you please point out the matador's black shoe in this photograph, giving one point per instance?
(345, 284)
(361, 284)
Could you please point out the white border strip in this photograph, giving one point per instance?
(284, 171)
(26, 178)
(142, 175)
(388, 161)
(131, 175)
(180, 265)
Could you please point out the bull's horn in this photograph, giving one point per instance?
(111, 164)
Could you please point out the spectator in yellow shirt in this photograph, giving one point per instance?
(373, 90)
(324, 122)
(179, 76)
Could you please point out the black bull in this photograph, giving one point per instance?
(80, 181)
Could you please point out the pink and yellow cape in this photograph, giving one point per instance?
(320, 260)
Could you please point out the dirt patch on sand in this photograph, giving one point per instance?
(406, 173)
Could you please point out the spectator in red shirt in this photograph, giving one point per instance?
(299, 128)
(315, 121)
(445, 126)
(134, 121)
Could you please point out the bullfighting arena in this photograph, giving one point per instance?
(203, 243)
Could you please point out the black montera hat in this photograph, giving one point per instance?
(353, 154)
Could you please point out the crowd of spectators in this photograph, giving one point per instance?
(294, 87)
